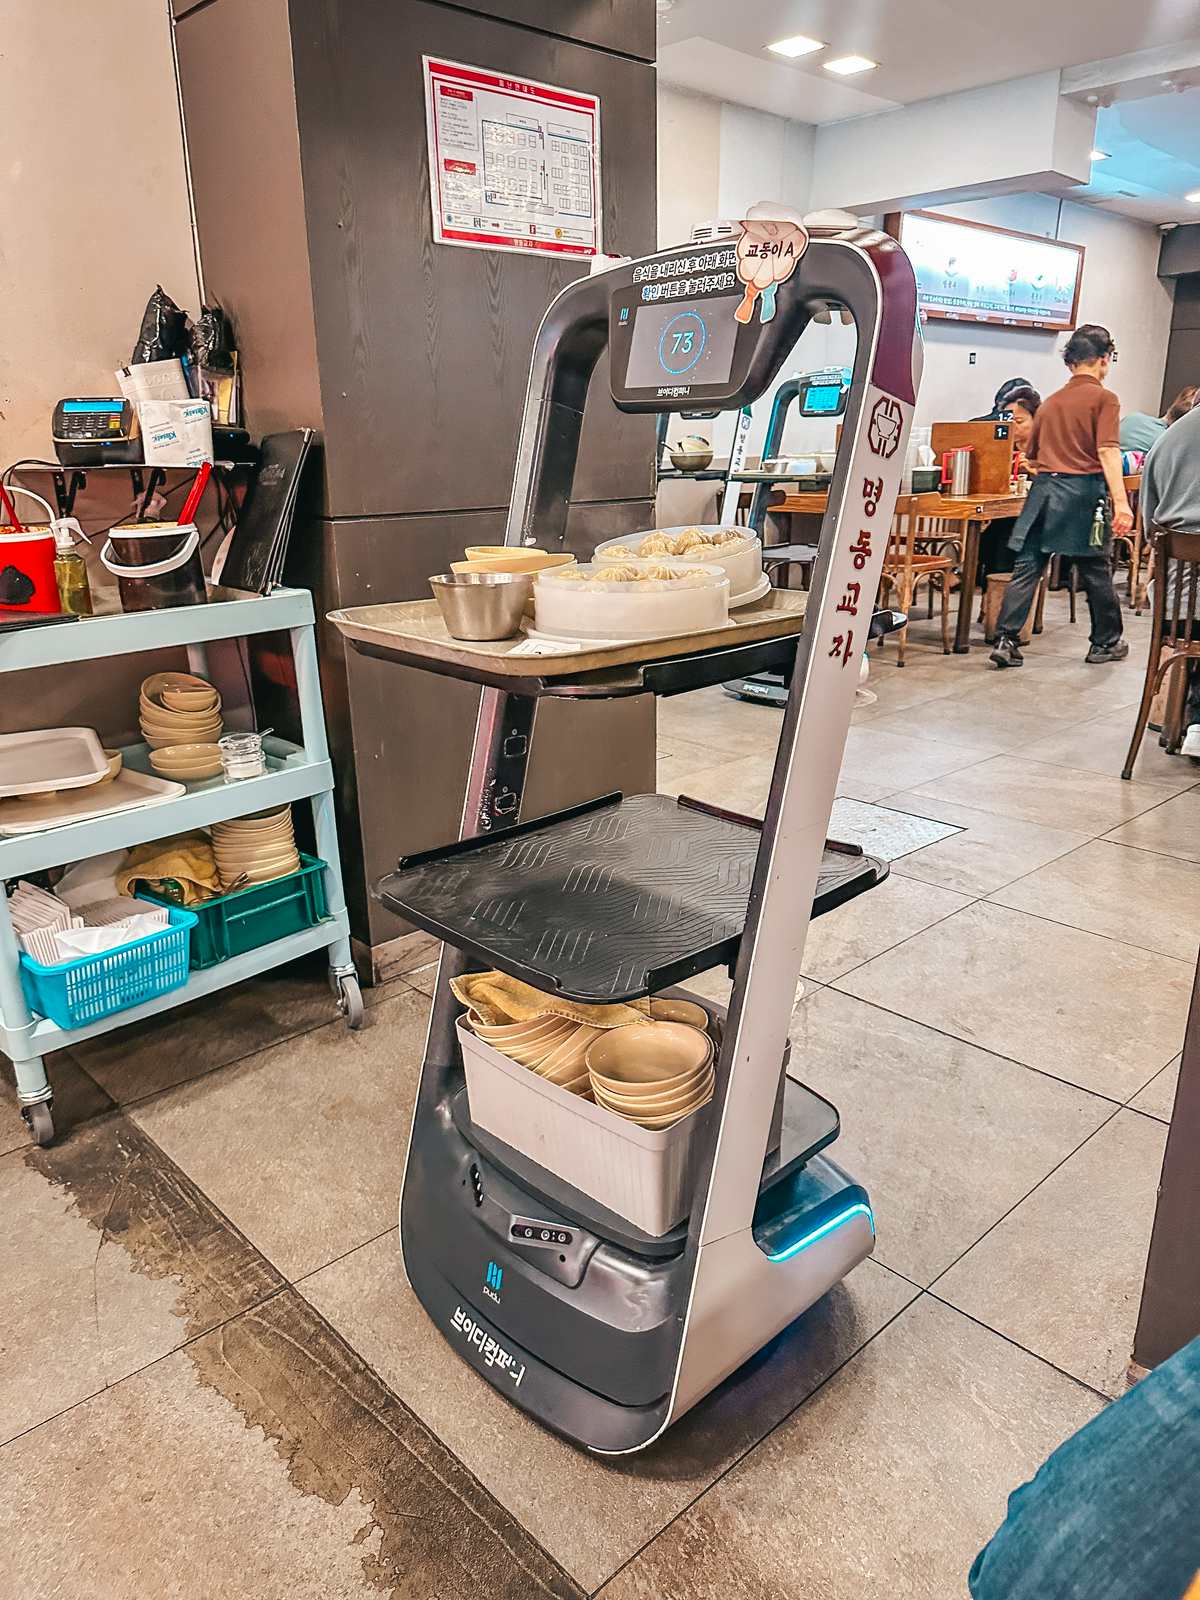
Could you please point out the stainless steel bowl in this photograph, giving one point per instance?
(691, 460)
(482, 605)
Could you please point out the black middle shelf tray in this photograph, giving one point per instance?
(605, 902)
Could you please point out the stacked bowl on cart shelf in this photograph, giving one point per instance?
(176, 709)
(256, 849)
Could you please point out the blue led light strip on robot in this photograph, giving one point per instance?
(826, 1227)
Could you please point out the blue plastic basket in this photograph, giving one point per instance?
(77, 992)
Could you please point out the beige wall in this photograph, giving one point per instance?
(87, 228)
(689, 163)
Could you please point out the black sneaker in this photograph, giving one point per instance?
(1110, 652)
(1007, 653)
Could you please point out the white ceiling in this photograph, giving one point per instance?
(1154, 157)
(935, 47)
(924, 47)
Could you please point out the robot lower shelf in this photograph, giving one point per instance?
(609, 901)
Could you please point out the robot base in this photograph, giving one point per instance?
(601, 1345)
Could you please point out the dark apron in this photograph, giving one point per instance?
(1058, 515)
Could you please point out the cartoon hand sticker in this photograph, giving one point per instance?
(773, 240)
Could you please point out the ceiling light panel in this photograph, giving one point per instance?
(797, 45)
(846, 66)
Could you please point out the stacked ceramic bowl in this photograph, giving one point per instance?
(652, 1073)
(554, 1047)
(178, 710)
(255, 849)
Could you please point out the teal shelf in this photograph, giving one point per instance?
(228, 615)
(46, 1035)
(295, 772)
(293, 776)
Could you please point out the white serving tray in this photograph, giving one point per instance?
(127, 789)
(50, 758)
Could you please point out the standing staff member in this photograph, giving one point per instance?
(1074, 447)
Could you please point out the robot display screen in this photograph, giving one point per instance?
(689, 343)
(822, 400)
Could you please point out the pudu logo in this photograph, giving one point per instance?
(493, 1280)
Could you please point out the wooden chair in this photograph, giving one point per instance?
(908, 562)
(1174, 634)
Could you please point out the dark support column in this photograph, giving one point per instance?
(1170, 1313)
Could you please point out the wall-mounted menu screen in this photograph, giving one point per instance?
(971, 272)
(685, 344)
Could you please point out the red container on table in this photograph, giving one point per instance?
(27, 581)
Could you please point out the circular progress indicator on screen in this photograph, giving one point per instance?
(689, 344)
(681, 343)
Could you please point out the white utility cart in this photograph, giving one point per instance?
(295, 772)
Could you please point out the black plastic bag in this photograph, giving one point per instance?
(212, 342)
(163, 333)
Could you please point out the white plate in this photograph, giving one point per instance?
(762, 587)
(128, 789)
(46, 759)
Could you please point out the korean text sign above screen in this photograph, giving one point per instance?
(675, 343)
(980, 274)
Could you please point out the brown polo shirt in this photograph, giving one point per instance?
(1074, 425)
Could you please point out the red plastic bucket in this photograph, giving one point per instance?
(27, 581)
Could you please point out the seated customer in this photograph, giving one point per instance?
(1140, 431)
(1171, 499)
(994, 555)
(1000, 402)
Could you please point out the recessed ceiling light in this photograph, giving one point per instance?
(845, 65)
(1194, 197)
(1099, 155)
(797, 45)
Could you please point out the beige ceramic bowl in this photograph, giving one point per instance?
(190, 699)
(255, 853)
(166, 720)
(115, 762)
(154, 685)
(680, 1011)
(255, 824)
(569, 1059)
(646, 1056)
(656, 1124)
(500, 559)
(501, 1033)
(693, 1093)
(532, 1053)
(165, 741)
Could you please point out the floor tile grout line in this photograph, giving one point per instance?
(236, 1061)
(827, 982)
(126, 1377)
(1053, 922)
(1004, 1215)
(336, 1334)
(284, 1288)
(758, 1443)
(1045, 1361)
(392, 1227)
(987, 1049)
(1146, 849)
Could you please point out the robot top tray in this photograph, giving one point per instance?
(606, 902)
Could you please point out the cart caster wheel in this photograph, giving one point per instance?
(41, 1121)
(350, 1001)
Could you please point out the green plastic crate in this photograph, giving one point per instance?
(250, 918)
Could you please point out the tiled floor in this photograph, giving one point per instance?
(215, 1383)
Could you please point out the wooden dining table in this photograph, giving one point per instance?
(971, 513)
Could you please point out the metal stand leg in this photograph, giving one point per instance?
(34, 1094)
(312, 723)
